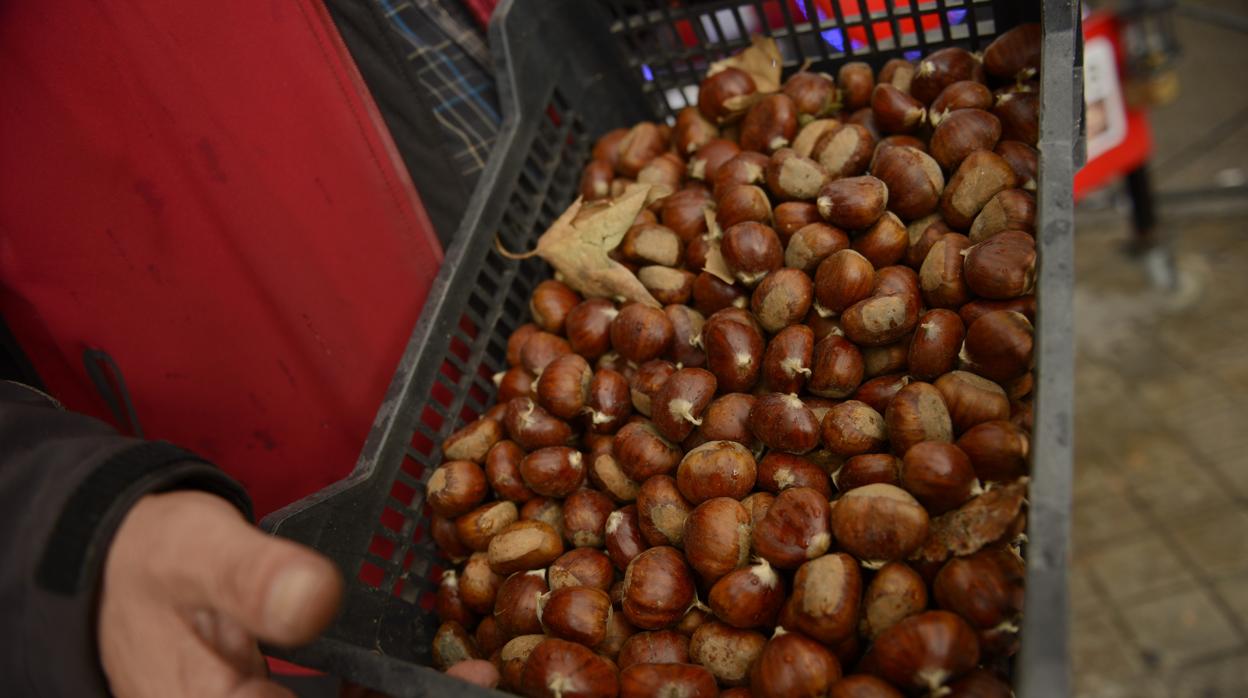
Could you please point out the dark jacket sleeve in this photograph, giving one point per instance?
(66, 482)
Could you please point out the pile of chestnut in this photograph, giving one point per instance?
(741, 490)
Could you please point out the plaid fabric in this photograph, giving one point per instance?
(452, 65)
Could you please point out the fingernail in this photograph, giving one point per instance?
(289, 597)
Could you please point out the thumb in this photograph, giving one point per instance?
(278, 590)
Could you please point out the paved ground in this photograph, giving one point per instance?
(1160, 573)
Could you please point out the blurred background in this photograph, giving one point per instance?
(1159, 581)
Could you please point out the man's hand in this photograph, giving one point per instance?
(189, 587)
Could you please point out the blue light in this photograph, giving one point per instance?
(957, 16)
(834, 37)
(647, 73)
(912, 55)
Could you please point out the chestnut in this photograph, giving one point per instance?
(853, 428)
(813, 94)
(692, 131)
(473, 441)
(540, 348)
(923, 233)
(794, 530)
(734, 353)
(727, 419)
(1023, 159)
(662, 511)
(553, 471)
(979, 683)
(792, 176)
(1010, 209)
(686, 335)
(693, 619)
(643, 452)
(925, 651)
(726, 94)
(746, 167)
(516, 340)
(962, 133)
(939, 475)
(853, 202)
(972, 399)
(881, 319)
(585, 514)
(557, 668)
(884, 243)
(623, 536)
(513, 383)
(941, 68)
(856, 80)
(478, 526)
(665, 284)
(455, 487)
(751, 250)
(447, 538)
(897, 280)
(942, 277)
(998, 345)
(863, 686)
(550, 304)
(640, 145)
(684, 212)
(963, 94)
(715, 469)
(581, 567)
(478, 584)
(786, 362)
(1026, 305)
(609, 402)
(842, 279)
(782, 299)
(779, 471)
(705, 163)
(836, 370)
(641, 333)
(515, 604)
(813, 243)
(727, 652)
(578, 614)
(685, 680)
(1003, 266)
(827, 593)
(650, 243)
(711, 294)
(607, 147)
(997, 450)
(895, 111)
(917, 413)
(563, 387)
(449, 605)
(886, 359)
(984, 588)
(748, 598)
(548, 511)
(898, 72)
(792, 216)
(879, 391)
(981, 175)
(1019, 113)
(868, 469)
(823, 326)
(913, 178)
(654, 647)
(810, 134)
(451, 645)
(679, 405)
(588, 327)
(658, 588)
(866, 119)
(488, 637)
(783, 422)
(740, 204)
(878, 523)
(769, 124)
(844, 150)
(792, 664)
(896, 592)
(1015, 54)
(648, 381)
(717, 537)
(934, 348)
(524, 545)
(512, 657)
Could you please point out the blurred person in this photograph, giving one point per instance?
(132, 565)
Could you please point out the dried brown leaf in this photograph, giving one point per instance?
(984, 520)
(761, 60)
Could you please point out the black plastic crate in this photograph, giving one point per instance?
(568, 71)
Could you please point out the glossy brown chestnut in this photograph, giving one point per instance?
(658, 588)
(856, 80)
(684, 680)
(548, 511)
(881, 319)
(939, 475)
(550, 304)
(1003, 266)
(692, 131)
(878, 392)
(560, 669)
(779, 471)
(853, 203)
(866, 118)
(827, 593)
(705, 163)
(784, 423)
(553, 471)
(792, 216)
(844, 150)
(813, 243)
(640, 145)
(933, 350)
(623, 536)
(727, 419)
(942, 68)
(452, 644)
(726, 94)
(716, 469)
(578, 614)
(717, 537)
(925, 651)
(524, 545)
(792, 664)
(1019, 113)
(895, 111)
(727, 652)
(794, 530)
(511, 658)
(963, 94)
(648, 381)
(810, 133)
(455, 488)
(962, 133)
(734, 353)
(641, 333)
(581, 567)
(1023, 159)
(812, 93)
(749, 597)
(842, 279)
(981, 175)
(654, 647)
(1010, 209)
(662, 511)
(972, 399)
(473, 441)
(878, 523)
(444, 534)
(667, 285)
(684, 212)
(478, 526)
(913, 178)
(884, 243)
(478, 584)
(942, 276)
(853, 428)
(997, 449)
(643, 452)
(896, 592)
(998, 345)
(751, 250)
(917, 413)
(585, 514)
(711, 294)
(770, 124)
(609, 402)
(563, 387)
(515, 604)
(742, 203)
(984, 588)
(923, 233)
(745, 167)
(1026, 305)
(516, 340)
(836, 370)
(979, 683)
(1015, 54)
(686, 335)
(790, 176)
(782, 299)
(540, 348)
(449, 603)
(679, 405)
(867, 469)
(786, 362)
